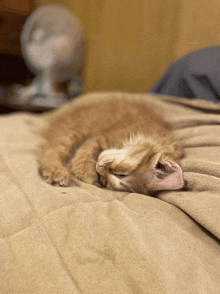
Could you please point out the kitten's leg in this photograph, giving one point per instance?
(51, 160)
(84, 162)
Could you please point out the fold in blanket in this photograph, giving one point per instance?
(89, 240)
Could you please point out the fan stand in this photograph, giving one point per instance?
(41, 92)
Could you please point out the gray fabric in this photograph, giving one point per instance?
(196, 75)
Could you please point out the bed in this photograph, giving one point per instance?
(89, 240)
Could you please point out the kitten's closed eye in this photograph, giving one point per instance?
(120, 174)
(108, 176)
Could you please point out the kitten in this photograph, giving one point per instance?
(121, 144)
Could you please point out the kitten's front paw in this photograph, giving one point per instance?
(87, 177)
(56, 174)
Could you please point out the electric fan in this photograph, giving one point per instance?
(53, 47)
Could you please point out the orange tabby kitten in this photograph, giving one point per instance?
(120, 144)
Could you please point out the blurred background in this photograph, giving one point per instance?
(129, 43)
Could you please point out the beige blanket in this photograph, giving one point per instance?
(84, 239)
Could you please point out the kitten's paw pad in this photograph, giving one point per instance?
(56, 175)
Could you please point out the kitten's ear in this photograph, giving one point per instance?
(166, 175)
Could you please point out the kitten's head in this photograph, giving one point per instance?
(141, 166)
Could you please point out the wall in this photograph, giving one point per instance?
(130, 43)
